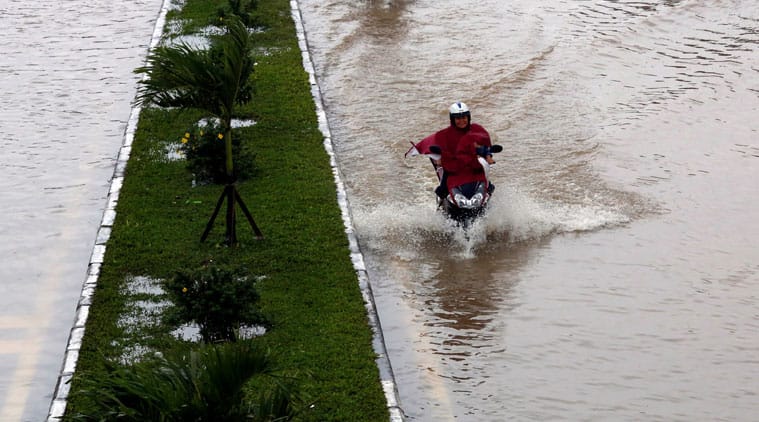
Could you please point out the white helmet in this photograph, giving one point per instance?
(459, 109)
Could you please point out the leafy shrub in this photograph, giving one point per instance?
(245, 10)
(219, 299)
(203, 146)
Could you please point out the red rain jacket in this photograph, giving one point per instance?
(459, 156)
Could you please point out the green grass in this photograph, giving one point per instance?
(310, 292)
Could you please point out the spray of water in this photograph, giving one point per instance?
(512, 217)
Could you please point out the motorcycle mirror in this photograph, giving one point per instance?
(435, 149)
(496, 148)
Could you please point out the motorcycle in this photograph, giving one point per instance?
(465, 202)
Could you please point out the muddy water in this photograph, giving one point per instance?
(615, 276)
(67, 84)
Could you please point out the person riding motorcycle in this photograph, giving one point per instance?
(460, 144)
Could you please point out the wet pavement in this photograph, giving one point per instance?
(67, 86)
(615, 276)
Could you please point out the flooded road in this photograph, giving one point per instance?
(67, 83)
(615, 276)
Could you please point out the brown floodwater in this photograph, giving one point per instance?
(616, 274)
(67, 86)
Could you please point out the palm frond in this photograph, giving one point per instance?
(211, 79)
(199, 385)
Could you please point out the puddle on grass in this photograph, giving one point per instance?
(173, 150)
(200, 39)
(236, 123)
(145, 305)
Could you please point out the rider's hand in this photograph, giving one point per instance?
(482, 151)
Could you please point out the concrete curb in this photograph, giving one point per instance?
(387, 378)
(60, 396)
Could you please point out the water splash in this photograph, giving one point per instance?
(512, 217)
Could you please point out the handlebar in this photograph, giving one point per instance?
(483, 150)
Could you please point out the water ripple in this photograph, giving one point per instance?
(67, 83)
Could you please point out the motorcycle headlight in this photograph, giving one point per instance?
(461, 200)
(467, 203)
(476, 200)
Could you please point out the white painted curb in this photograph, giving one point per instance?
(387, 378)
(60, 396)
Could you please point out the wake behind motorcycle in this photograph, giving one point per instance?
(463, 202)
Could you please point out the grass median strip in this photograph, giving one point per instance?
(307, 284)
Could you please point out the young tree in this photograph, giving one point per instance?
(215, 80)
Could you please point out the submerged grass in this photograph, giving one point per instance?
(309, 290)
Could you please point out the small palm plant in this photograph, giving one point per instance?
(203, 385)
(215, 80)
(219, 299)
